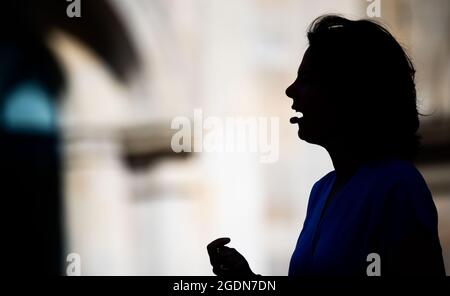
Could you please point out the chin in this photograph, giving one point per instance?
(308, 138)
(301, 134)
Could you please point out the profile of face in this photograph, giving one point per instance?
(311, 95)
(355, 90)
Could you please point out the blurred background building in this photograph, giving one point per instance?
(86, 108)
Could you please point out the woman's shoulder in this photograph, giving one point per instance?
(323, 182)
(401, 183)
(319, 188)
(396, 171)
(391, 171)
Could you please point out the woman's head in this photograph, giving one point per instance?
(355, 88)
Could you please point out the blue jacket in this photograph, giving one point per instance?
(385, 208)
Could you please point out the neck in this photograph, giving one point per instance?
(345, 161)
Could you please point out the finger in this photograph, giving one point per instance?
(220, 253)
(215, 250)
(220, 242)
(225, 251)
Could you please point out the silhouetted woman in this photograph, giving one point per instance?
(355, 89)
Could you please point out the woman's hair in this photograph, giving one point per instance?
(373, 78)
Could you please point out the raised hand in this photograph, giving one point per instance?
(227, 261)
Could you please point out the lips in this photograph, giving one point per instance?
(296, 119)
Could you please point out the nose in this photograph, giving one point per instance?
(290, 91)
